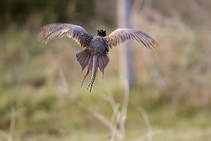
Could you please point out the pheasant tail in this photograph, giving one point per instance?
(103, 61)
(92, 62)
(83, 57)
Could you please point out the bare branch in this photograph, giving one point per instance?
(150, 134)
(113, 133)
(124, 109)
(116, 111)
(147, 123)
(115, 118)
(109, 99)
(97, 115)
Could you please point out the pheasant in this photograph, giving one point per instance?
(95, 49)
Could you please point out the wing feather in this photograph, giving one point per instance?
(121, 35)
(76, 32)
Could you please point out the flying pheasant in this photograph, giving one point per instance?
(95, 49)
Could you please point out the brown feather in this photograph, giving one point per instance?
(94, 72)
(54, 31)
(119, 36)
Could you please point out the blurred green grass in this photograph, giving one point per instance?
(30, 80)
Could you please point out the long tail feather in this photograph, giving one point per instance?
(92, 63)
(89, 61)
(87, 72)
(94, 72)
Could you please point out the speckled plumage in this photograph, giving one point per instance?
(95, 49)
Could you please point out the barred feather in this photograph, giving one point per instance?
(92, 57)
(94, 72)
(54, 31)
(83, 57)
(120, 35)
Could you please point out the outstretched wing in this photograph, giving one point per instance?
(54, 31)
(120, 35)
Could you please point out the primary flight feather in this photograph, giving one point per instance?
(95, 49)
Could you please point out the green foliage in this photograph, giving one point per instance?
(30, 76)
(30, 80)
(20, 12)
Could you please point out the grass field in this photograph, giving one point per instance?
(30, 82)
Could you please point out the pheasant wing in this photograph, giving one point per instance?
(121, 35)
(76, 32)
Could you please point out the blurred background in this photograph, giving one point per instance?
(34, 106)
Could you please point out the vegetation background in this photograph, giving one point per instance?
(30, 72)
